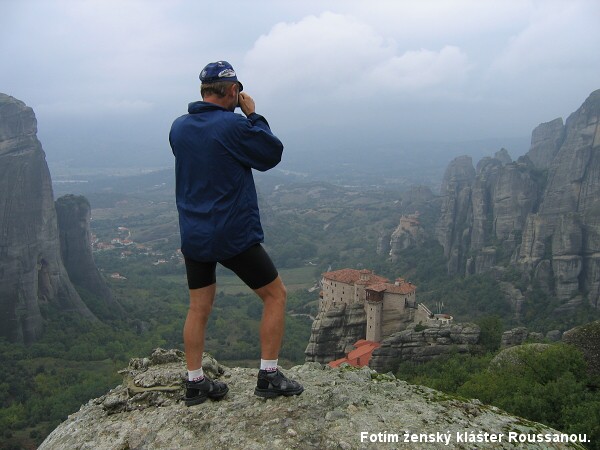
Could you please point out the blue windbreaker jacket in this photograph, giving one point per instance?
(215, 151)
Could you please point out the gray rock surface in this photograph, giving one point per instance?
(587, 339)
(145, 412)
(513, 195)
(31, 270)
(567, 224)
(453, 227)
(514, 297)
(402, 239)
(489, 206)
(485, 260)
(518, 336)
(416, 345)
(516, 354)
(546, 140)
(73, 215)
(542, 212)
(383, 244)
(554, 335)
(544, 276)
(503, 156)
(334, 332)
(417, 199)
(515, 336)
(488, 170)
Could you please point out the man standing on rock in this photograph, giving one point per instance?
(215, 151)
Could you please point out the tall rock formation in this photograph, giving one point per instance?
(335, 331)
(566, 229)
(546, 140)
(489, 205)
(416, 204)
(32, 275)
(456, 212)
(73, 214)
(540, 213)
(417, 347)
(408, 233)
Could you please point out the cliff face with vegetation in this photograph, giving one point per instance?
(32, 275)
(146, 411)
(415, 346)
(540, 213)
(73, 214)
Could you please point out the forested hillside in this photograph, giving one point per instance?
(309, 227)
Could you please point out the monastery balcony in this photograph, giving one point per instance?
(410, 304)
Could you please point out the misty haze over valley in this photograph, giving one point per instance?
(441, 167)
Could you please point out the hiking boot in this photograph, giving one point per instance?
(274, 383)
(198, 391)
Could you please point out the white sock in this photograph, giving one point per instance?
(196, 375)
(270, 365)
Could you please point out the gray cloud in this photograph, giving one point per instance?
(338, 73)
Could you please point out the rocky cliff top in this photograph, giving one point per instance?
(459, 171)
(18, 120)
(587, 339)
(335, 408)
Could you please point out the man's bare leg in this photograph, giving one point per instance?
(201, 301)
(271, 382)
(201, 388)
(272, 325)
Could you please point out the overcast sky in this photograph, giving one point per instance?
(107, 78)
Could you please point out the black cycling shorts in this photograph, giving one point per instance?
(253, 266)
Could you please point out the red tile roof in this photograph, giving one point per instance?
(352, 276)
(360, 356)
(363, 350)
(404, 288)
(337, 362)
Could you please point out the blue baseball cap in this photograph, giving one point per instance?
(219, 71)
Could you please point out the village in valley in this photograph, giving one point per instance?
(121, 243)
